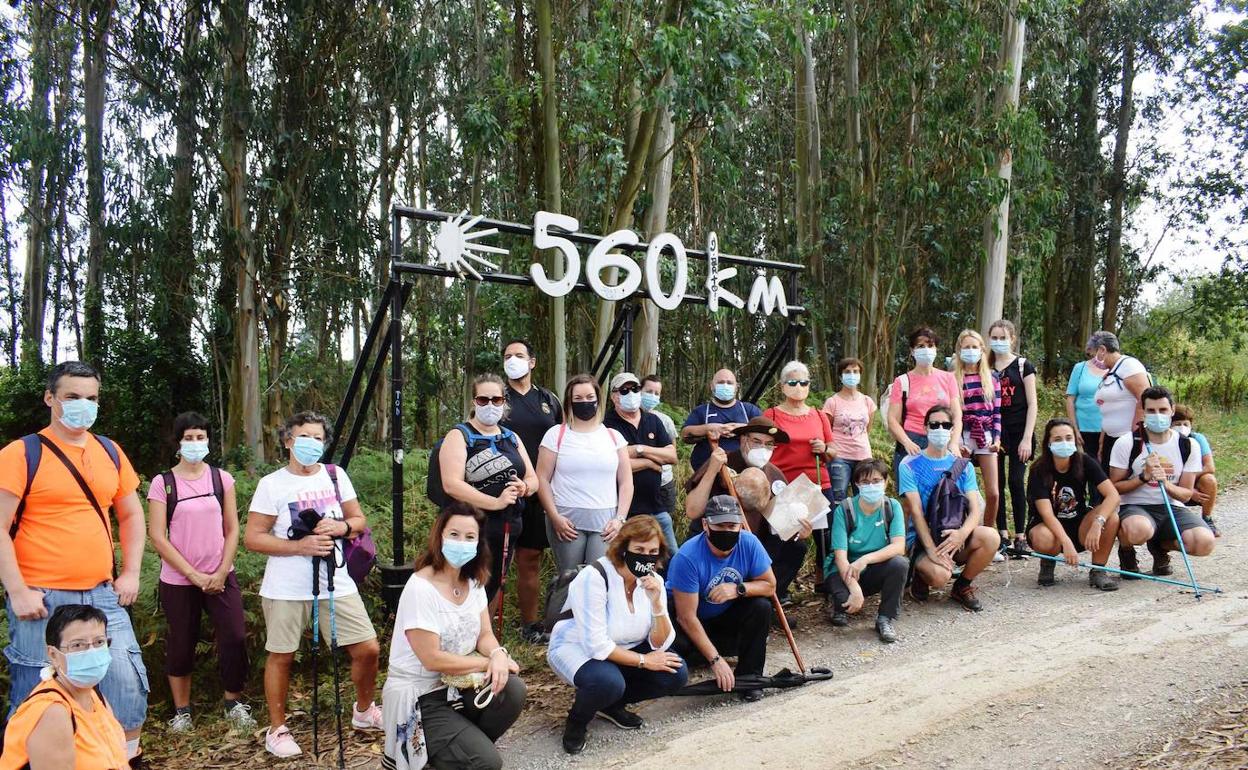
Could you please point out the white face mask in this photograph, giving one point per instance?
(516, 367)
(1186, 430)
(758, 456)
(489, 414)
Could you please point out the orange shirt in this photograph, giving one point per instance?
(61, 542)
(99, 741)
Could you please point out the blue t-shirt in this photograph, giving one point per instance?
(695, 570)
(710, 412)
(1205, 449)
(920, 473)
(868, 535)
(1083, 388)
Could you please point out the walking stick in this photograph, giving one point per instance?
(1142, 576)
(316, 646)
(1178, 535)
(330, 566)
(502, 579)
(726, 476)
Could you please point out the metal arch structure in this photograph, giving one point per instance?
(384, 341)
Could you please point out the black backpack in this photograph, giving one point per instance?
(851, 520)
(1137, 446)
(433, 483)
(557, 593)
(171, 493)
(947, 505)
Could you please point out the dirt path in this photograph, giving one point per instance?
(1058, 677)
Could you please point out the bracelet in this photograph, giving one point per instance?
(496, 649)
(658, 614)
(641, 660)
(714, 660)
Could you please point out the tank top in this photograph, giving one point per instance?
(99, 741)
(491, 462)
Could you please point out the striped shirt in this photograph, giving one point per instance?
(980, 415)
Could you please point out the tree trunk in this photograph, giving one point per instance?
(42, 23)
(10, 285)
(1087, 198)
(552, 185)
(809, 184)
(853, 150)
(997, 222)
(1118, 189)
(97, 18)
(659, 184)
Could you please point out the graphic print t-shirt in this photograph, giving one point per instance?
(1013, 396)
(696, 570)
(1067, 494)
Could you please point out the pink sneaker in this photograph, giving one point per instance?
(280, 743)
(368, 719)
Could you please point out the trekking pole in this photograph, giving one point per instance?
(316, 646)
(1178, 535)
(330, 566)
(1142, 576)
(726, 476)
(825, 534)
(502, 578)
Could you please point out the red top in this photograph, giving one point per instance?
(796, 457)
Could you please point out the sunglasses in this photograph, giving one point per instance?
(797, 383)
(495, 400)
(624, 390)
(945, 425)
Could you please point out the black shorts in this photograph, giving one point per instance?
(534, 534)
(1070, 526)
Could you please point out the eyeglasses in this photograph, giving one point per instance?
(495, 400)
(797, 383)
(627, 388)
(935, 425)
(80, 645)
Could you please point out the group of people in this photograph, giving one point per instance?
(591, 476)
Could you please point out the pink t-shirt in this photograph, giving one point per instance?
(850, 419)
(926, 391)
(197, 529)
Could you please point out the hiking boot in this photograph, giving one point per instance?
(752, 696)
(533, 633)
(919, 589)
(622, 718)
(240, 718)
(1019, 549)
(884, 627)
(1128, 562)
(280, 743)
(1102, 580)
(965, 595)
(839, 617)
(574, 734)
(181, 722)
(1213, 527)
(1046, 572)
(368, 719)
(1161, 560)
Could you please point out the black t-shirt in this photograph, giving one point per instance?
(532, 414)
(1014, 396)
(647, 484)
(1067, 494)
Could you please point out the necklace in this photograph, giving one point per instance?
(457, 591)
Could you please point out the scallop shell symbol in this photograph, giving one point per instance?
(454, 246)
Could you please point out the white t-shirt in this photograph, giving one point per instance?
(585, 467)
(1116, 402)
(1171, 460)
(283, 494)
(422, 606)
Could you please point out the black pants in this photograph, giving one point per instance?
(787, 557)
(502, 533)
(601, 684)
(741, 630)
(886, 578)
(1008, 460)
(463, 738)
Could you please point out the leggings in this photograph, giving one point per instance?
(586, 548)
(1008, 460)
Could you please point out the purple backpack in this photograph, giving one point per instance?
(359, 554)
(947, 506)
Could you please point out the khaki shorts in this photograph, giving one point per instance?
(285, 620)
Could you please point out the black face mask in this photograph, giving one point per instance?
(585, 410)
(723, 541)
(640, 564)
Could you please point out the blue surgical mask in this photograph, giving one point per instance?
(458, 552)
(193, 451)
(630, 402)
(924, 356)
(87, 668)
(308, 450)
(871, 493)
(1157, 423)
(79, 413)
(724, 391)
(970, 355)
(1062, 448)
(938, 437)
(649, 402)
(851, 379)
(1000, 347)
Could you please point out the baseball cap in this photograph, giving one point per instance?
(722, 509)
(622, 378)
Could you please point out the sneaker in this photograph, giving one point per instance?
(368, 719)
(240, 718)
(965, 595)
(840, 618)
(1020, 549)
(1213, 526)
(280, 743)
(998, 557)
(1161, 560)
(1046, 572)
(181, 722)
(884, 627)
(1102, 580)
(622, 718)
(1128, 562)
(533, 633)
(752, 696)
(574, 734)
(919, 589)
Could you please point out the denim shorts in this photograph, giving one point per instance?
(125, 687)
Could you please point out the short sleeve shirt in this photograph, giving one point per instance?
(696, 570)
(423, 607)
(1116, 402)
(850, 420)
(1205, 449)
(711, 412)
(926, 391)
(1014, 396)
(647, 497)
(869, 533)
(1066, 493)
(1083, 386)
(196, 529)
(531, 415)
(920, 473)
(1171, 460)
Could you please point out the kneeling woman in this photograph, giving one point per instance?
(1061, 484)
(450, 692)
(612, 641)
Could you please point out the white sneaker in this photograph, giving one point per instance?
(998, 557)
(181, 722)
(281, 743)
(368, 719)
(240, 718)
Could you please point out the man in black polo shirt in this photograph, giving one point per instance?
(649, 448)
(533, 410)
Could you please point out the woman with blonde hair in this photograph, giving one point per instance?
(1018, 423)
(981, 413)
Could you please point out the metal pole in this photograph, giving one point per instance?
(366, 353)
(628, 338)
(396, 427)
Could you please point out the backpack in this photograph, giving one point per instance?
(947, 505)
(359, 555)
(1137, 446)
(851, 521)
(557, 593)
(887, 397)
(171, 493)
(433, 483)
(34, 444)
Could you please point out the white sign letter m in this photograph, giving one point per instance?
(769, 294)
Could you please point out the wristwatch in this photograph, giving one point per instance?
(641, 450)
(1100, 520)
(741, 590)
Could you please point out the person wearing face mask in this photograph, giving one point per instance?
(1064, 518)
(933, 555)
(868, 552)
(64, 723)
(981, 416)
(916, 391)
(586, 478)
(56, 488)
(286, 593)
(849, 413)
(488, 467)
(721, 585)
(651, 397)
(1140, 464)
(1206, 493)
(451, 689)
(1017, 379)
(531, 411)
(197, 548)
(649, 448)
(612, 641)
(1081, 408)
(1118, 392)
(717, 419)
